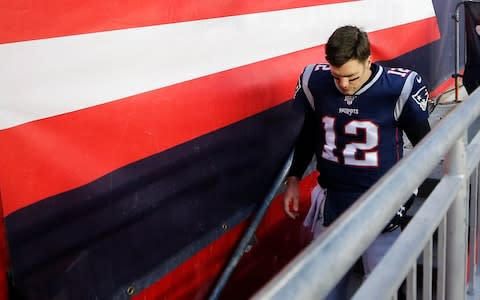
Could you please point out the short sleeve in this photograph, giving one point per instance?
(300, 100)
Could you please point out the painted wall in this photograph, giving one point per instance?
(135, 134)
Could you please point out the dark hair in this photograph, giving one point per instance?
(345, 43)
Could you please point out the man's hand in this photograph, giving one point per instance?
(292, 197)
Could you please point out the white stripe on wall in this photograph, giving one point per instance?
(43, 78)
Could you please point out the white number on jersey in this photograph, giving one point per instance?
(369, 157)
(323, 67)
(398, 71)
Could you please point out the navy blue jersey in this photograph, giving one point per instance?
(359, 137)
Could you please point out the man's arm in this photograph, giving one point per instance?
(415, 132)
(304, 150)
(304, 147)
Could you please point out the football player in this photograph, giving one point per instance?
(356, 112)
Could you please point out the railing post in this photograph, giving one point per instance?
(477, 225)
(456, 18)
(457, 224)
(472, 226)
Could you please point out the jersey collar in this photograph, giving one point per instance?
(377, 71)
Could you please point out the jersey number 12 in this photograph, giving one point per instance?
(361, 154)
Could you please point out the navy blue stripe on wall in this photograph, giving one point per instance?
(89, 242)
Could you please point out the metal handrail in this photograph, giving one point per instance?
(422, 226)
(352, 233)
(413, 239)
(252, 227)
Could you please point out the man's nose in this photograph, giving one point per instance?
(343, 83)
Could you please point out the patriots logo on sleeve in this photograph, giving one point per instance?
(421, 97)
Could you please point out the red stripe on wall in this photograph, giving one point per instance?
(446, 85)
(23, 20)
(46, 157)
(402, 38)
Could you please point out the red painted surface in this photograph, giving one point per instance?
(29, 20)
(141, 125)
(448, 84)
(279, 239)
(403, 37)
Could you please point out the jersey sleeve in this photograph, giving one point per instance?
(300, 99)
(415, 107)
(304, 146)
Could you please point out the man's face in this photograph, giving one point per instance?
(351, 75)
